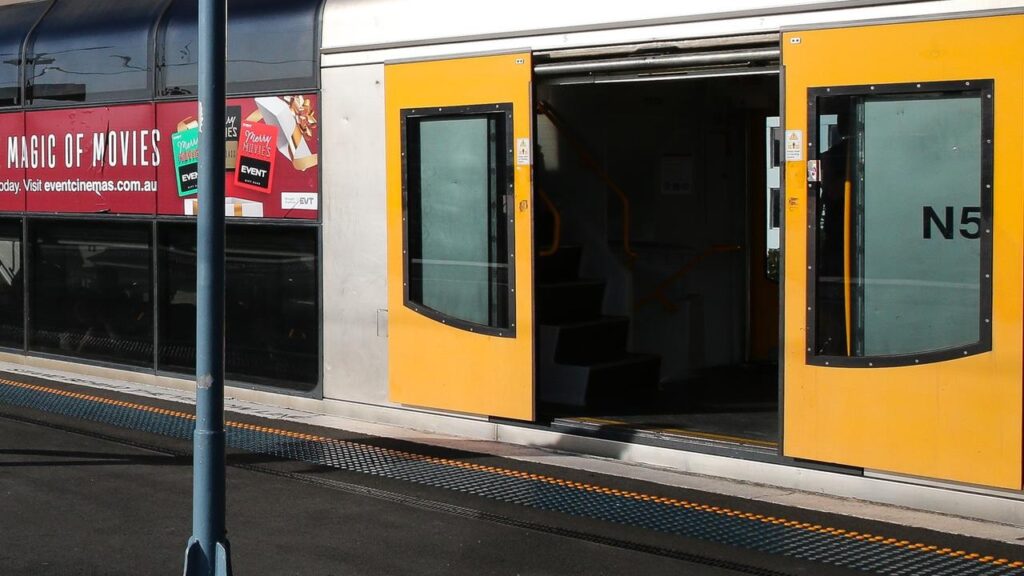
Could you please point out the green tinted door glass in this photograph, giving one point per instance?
(921, 253)
(457, 232)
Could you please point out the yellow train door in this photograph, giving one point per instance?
(903, 247)
(460, 252)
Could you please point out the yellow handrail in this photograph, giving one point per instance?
(557, 232)
(847, 263)
(659, 291)
(588, 160)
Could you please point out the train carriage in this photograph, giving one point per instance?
(779, 232)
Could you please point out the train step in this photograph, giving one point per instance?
(586, 342)
(562, 266)
(569, 301)
(631, 379)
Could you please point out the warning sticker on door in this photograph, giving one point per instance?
(522, 152)
(794, 145)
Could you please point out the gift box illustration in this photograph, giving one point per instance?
(239, 207)
(295, 120)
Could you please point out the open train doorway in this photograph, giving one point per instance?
(656, 234)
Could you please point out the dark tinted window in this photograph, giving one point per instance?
(12, 284)
(271, 306)
(93, 51)
(15, 22)
(271, 46)
(90, 290)
(458, 181)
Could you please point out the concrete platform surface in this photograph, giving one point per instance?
(80, 496)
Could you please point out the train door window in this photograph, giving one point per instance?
(457, 180)
(270, 47)
(17, 21)
(12, 282)
(93, 52)
(902, 234)
(91, 290)
(271, 303)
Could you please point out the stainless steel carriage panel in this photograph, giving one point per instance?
(379, 30)
(354, 235)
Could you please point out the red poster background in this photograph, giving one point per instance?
(137, 119)
(10, 200)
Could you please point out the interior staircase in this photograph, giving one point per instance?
(582, 356)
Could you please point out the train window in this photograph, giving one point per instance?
(271, 46)
(96, 51)
(271, 303)
(12, 282)
(17, 20)
(901, 240)
(458, 181)
(90, 290)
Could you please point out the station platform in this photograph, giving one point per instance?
(97, 480)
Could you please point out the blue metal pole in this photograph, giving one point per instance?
(208, 553)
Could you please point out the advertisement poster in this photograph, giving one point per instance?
(143, 159)
(232, 127)
(256, 154)
(186, 160)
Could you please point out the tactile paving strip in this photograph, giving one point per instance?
(867, 552)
